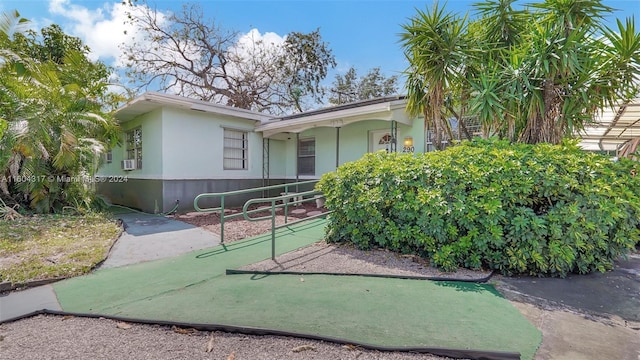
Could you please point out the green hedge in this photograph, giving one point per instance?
(520, 209)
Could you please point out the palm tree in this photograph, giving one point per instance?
(561, 68)
(434, 44)
(54, 129)
(498, 29)
(534, 75)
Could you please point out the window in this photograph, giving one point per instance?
(108, 157)
(385, 140)
(134, 146)
(307, 156)
(235, 150)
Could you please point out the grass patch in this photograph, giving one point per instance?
(42, 247)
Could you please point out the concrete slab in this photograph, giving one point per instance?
(137, 224)
(150, 237)
(19, 303)
(298, 212)
(570, 336)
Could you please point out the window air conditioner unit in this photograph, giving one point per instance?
(129, 164)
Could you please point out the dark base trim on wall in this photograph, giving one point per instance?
(159, 196)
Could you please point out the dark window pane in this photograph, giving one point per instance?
(236, 153)
(307, 157)
(134, 146)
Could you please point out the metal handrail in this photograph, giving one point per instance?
(222, 195)
(273, 201)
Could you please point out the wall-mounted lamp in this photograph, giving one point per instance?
(408, 141)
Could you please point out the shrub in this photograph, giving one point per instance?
(517, 208)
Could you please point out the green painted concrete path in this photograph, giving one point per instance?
(193, 288)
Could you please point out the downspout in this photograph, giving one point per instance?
(297, 157)
(266, 143)
(337, 146)
(393, 147)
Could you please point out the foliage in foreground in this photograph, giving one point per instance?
(520, 209)
(51, 246)
(53, 119)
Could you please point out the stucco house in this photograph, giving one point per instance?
(174, 148)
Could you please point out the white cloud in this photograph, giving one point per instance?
(103, 29)
(75, 12)
(253, 49)
(254, 37)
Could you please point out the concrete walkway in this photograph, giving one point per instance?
(19, 304)
(150, 237)
(594, 316)
(193, 290)
(187, 284)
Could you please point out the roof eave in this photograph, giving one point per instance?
(150, 101)
(338, 118)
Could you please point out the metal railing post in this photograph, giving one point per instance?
(286, 204)
(273, 230)
(284, 198)
(222, 219)
(273, 200)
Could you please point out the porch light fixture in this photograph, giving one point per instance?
(408, 141)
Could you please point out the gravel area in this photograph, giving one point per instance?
(63, 338)
(323, 257)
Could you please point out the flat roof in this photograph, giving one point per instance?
(351, 105)
(385, 108)
(150, 101)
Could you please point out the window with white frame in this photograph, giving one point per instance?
(236, 154)
(307, 156)
(134, 146)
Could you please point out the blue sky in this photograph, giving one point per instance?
(361, 33)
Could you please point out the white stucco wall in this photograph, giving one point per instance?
(193, 144)
(277, 158)
(151, 125)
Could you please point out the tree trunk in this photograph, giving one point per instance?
(542, 127)
(461, 125)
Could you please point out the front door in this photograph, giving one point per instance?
(380, 140)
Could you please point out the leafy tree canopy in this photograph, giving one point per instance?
(53, 121)
(349, 88)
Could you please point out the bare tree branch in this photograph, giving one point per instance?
(184, 53)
